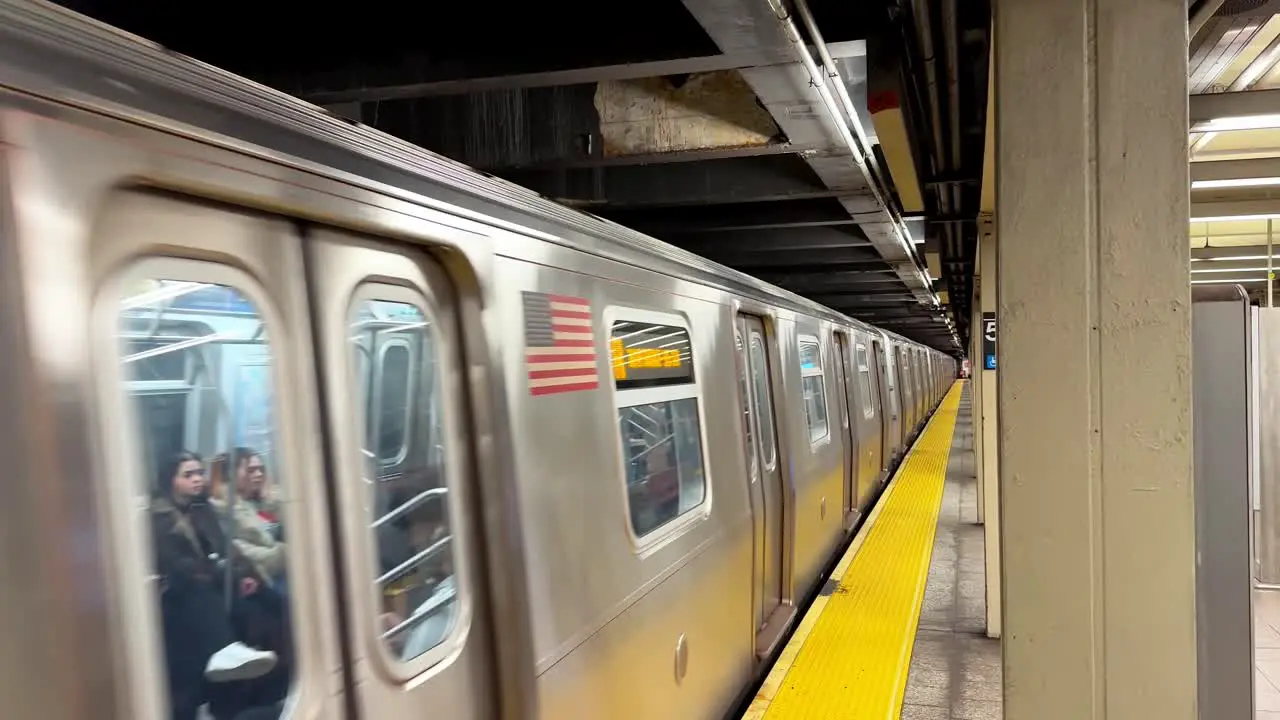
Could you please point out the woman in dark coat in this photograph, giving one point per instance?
(192, 560)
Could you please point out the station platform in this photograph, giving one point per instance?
(899, 630)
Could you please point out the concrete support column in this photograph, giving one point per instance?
(1098, 526)
(986, 434)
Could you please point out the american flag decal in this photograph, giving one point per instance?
(560, 347)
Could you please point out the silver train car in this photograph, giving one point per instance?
(467, 453)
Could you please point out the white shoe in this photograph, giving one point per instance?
(238, 661)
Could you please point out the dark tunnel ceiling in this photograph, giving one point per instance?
(760, 209)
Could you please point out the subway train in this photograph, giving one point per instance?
(301, 420)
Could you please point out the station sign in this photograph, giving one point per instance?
(989, 341)
(648, 355)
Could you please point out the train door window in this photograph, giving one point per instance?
(658, 422)
(744, 389)
(813, 387)
(197, 364)
(406, 470)
(864, 380)
(393, 417)
(764, 398)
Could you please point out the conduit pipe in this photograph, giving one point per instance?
(819, 80)
(1201, 16)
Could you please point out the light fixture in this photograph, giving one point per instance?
(1241, 122)
(1233, 258)
(1228, 282)
(1229, 218)
(1222, 270)
(1235, 183)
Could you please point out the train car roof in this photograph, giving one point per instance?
(54, 53)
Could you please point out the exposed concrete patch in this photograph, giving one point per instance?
(709, 110)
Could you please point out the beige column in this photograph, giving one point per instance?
(975, 382)
(1095, 386)
(986, 433)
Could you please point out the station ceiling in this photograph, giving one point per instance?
(847, 167)
(1235, 142)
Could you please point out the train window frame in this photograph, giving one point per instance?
(130, 545)
(410, 387)
(862, 363)
(630, 397)
(806, 374)
(763, 381)
(456, 469)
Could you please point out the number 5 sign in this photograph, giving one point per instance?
(989, 341)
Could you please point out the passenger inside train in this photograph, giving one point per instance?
(195, 359)
(254, 510)
(205, 590)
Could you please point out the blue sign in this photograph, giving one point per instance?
(989, 341)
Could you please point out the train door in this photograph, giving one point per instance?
(208, 416)
(848, 426)
(767, 481)
(415, 604)
(888, 407)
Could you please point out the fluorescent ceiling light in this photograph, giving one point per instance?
(1234, 257)
(1228, 282)
(1222, 270)
(1242, 122)
(1235, 183)
(1229, 218)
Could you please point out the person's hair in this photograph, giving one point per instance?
(225, 471)
(169, 468)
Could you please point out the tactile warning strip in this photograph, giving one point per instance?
(853, 648)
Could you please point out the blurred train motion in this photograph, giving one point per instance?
(303, 420)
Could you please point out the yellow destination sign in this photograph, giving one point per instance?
(625, 358)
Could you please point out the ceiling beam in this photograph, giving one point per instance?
(1208, 209)
(846, 300)
(1227, 253)
(734, 218)
(731, 180)
(1208, 269)
(826, 258)
(1235, 169)
(744, 58)
(773, 240)
(664, 158)
(1211, 106)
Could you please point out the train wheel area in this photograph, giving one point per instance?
(897, 632)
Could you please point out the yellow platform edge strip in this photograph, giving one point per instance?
(851, 652)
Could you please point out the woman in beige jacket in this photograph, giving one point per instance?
(254, 511)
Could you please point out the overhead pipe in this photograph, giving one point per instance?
(833, 75)
(924, 37)
(953, 91)
(859, 155)
(1201, 16)
(948, 197)
(855, 147)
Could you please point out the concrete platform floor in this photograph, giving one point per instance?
(955, 669)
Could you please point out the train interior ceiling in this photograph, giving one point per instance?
(669, 118)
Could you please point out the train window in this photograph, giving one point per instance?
(658, 422)
(813, 386)
(405, 469)
(196, 363)
(864, 379)
(764, 398)
(746, 408)
(393, 403)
